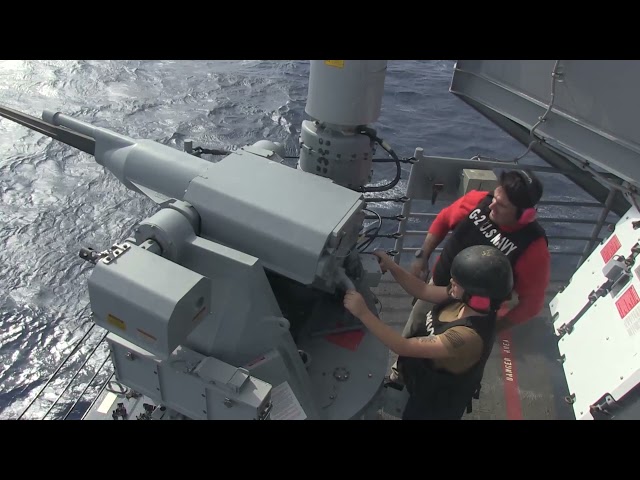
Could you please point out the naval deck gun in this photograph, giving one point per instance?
(227, 302)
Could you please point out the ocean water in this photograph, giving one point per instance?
(56, 200)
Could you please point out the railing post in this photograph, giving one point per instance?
(402, 228)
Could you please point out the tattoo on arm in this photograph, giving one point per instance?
(455, 338)
(429, 339)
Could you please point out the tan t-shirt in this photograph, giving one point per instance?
(464, 343)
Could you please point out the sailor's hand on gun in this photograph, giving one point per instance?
(383, 259)
(354, 302)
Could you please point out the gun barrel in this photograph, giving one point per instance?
(77, 139)
(57, 118)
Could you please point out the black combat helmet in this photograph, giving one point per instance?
(483, 271)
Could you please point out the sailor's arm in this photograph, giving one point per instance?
(445, 221)
(421, 264)
(421, 347)
(532, 275)
(410, 283)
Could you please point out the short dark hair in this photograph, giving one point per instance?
(522, 187)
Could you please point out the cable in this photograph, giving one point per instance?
(391, 160)
(374, 213)
(382, 199)
(123, 390)
(86, 360)
(554, 74)
(542, 119)
(369, 132)
(53, 375)
(369, 240)
(95, 399)
(98, 370)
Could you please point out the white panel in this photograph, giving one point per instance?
(602, 350)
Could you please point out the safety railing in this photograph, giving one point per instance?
(72, 389)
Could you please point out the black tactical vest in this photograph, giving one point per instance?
(477, 229)
(443, 394)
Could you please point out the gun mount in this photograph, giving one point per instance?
(227, 302)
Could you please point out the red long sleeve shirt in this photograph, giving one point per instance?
(531, 272)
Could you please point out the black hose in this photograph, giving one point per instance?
(381, 188)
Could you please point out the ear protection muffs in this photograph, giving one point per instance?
(479, 303)
(527, 215)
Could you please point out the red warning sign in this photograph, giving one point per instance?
(627, 301)
(609, 250)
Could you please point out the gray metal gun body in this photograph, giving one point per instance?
(298, 224)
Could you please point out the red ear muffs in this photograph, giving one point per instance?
(479, 303)
(528, 216)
